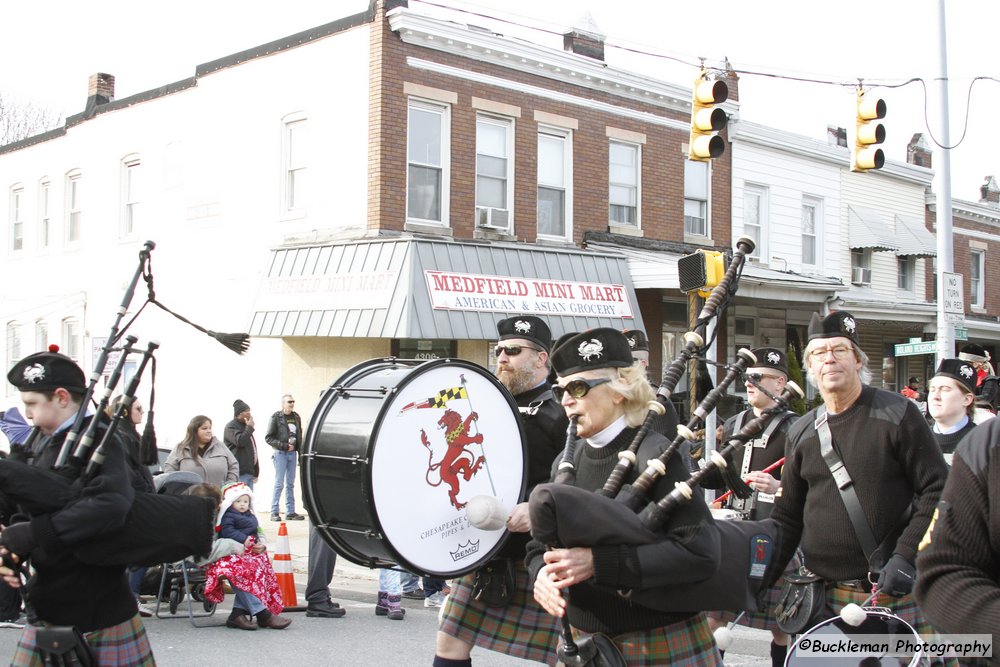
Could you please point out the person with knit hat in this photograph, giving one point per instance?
(250, 574)
(951, 402)
(896, 473)
(202, 453)
(238, 437)
(62, 590)
(606, 394)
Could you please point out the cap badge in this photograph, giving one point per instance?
(33, 373)
(590, 349)
(522, 327)
(965, 371)
(632, 341)
(772, 357)
(849, 324)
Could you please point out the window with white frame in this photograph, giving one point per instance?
(16, 217)
(812, 211)
(71, 343)
(494, 172)
(44, 214)
(74, 213)
(696, 198)
(13, 343)
(755, 217)
(130, 195)
(906, 273)
(295, 142)
(861, 266)
(977, 267)
(428, 148)
(623, 183)
(41, 335)
(555, 176)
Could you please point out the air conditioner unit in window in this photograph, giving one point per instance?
(861, 276)
(492, 218)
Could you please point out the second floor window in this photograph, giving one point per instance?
(17, 219)
(427, 162)
(13, 343)
(296, 142)
(906, 273)
(977, 265)
(71, 343)
(810, 231)
(555, 161)
(623, 184)
(41, 335)
(44, 217)
(74, 214)
(130, 196)
(696, 198)
(494, 145)
(755, 217)
(861, 266)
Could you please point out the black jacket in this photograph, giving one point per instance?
(279, 430)
(238, 437)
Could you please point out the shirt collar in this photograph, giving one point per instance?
(611, 432)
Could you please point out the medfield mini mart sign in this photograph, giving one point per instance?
(467, 291)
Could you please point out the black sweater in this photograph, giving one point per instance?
(890, 454)
(958, 569)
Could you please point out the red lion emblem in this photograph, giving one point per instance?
(457, 459)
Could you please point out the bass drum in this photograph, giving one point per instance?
(880, 629)
(394, 451)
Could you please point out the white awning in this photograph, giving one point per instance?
(870, 229)
(914, 239)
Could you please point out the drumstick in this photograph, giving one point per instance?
(769, 468)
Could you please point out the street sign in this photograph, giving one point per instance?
(961, 334)
(954, 296)
(911, 349)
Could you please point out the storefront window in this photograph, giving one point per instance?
(413, 348)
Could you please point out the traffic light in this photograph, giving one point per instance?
(707, 119)
(701, 271)
(867, 155)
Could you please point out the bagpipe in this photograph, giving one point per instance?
(563, 515)
(158, 528)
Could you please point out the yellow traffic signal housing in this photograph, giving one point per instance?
(868, 133)
(701, 271)
(707, 119)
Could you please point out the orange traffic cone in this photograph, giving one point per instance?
(283, 570)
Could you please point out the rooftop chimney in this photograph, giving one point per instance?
(836, 136)
(100, 89)
(917, 151)
(990, 193)
(585, 38)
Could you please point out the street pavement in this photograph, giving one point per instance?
(360, 638)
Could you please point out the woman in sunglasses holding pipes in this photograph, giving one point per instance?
(607, 395)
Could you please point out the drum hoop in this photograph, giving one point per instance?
(420, 366)
(878, 611)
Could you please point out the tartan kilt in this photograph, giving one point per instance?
(521, 629)
(761, 620)
(122, 645)
(688, 642)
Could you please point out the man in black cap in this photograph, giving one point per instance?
(238, 437)
(861, 479)
(518, 628)
(951, 402)
(769, 373)
(93, 599)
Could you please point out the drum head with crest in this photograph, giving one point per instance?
(876, 641)
(395, 450)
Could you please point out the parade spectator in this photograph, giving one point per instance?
(284, 433)
(238, 437)
(322, 561)
(389, 595)
(202, 453)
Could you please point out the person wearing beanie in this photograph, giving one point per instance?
(987, 382)
(606, 393)
(769, 373)
(250, 574)
(518, 628)
(238, 437)
(62, 590)
(951, 402)
(897, 472)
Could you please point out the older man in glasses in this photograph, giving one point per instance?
(473, 614)
(861, 480)
(760, 468)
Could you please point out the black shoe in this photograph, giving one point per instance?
(415, 594)
(292, 516)
(326, 609)
(275, 516)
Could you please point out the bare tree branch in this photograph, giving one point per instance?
(20, 121)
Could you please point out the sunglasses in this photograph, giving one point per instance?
(512, 350)
(757, 377)
(577, 388)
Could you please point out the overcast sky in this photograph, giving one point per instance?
(48, 50)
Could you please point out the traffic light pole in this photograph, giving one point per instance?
(945, 258)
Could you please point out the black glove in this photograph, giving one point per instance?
(19, 539)
(897, 577)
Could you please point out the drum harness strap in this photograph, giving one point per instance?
(748, 504)
(532, 408)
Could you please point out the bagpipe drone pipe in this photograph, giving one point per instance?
(158, 527)
(563, 515)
